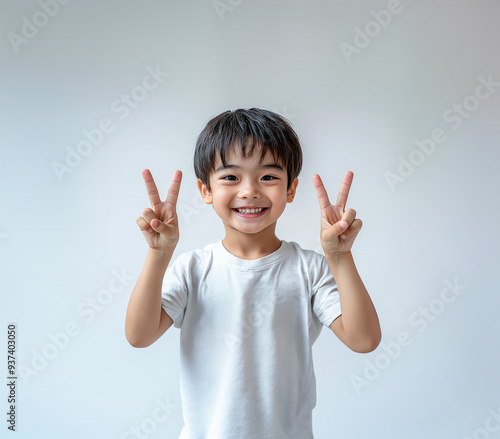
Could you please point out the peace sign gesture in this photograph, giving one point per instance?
(159, 225)
(339, 227)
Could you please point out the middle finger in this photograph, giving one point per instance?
(154, 196)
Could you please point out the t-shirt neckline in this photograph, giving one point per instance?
(252, 263)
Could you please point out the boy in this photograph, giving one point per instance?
(249, 306)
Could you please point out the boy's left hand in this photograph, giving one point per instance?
(339, 227)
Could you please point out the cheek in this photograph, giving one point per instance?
(279, 196)
(222, 197)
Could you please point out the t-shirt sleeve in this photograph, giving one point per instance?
(325, 298)
(174, 290)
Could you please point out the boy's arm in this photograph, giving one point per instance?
(358, 327)
(146, 321)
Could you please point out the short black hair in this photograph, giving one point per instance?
(265, 129)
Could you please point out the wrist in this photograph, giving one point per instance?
(338, 258)
(161, 254)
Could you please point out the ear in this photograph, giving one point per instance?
(291, 192)
(205, 193)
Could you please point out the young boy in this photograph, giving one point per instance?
(250, 306)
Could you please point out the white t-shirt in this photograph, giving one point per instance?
(247, 329)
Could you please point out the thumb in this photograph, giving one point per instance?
(161, 227)
(157, 225)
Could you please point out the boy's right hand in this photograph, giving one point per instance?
(159, 225)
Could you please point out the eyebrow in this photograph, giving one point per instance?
(269, 166)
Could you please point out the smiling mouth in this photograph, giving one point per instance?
(255, 211)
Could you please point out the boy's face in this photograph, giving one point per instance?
(246, 183)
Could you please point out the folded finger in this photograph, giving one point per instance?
(349, 216)
(353, 229)
(149, 215)
(143, 224)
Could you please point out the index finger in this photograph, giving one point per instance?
(321, 192)
(344, 189)
(153, 194)
(174, 189)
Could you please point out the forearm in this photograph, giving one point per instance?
(359, 317)
(144, 308)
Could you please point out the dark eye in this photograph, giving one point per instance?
(267, 177)
(229, 177)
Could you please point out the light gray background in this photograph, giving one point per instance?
(62, 239)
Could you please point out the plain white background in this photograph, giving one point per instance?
(359, 103)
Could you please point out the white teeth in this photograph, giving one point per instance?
(250, 210)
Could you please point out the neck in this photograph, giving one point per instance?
(251, 246)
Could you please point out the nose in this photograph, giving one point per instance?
(249, 190)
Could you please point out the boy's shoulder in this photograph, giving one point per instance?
(304, 251)
(313, 261)
(199, 253)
